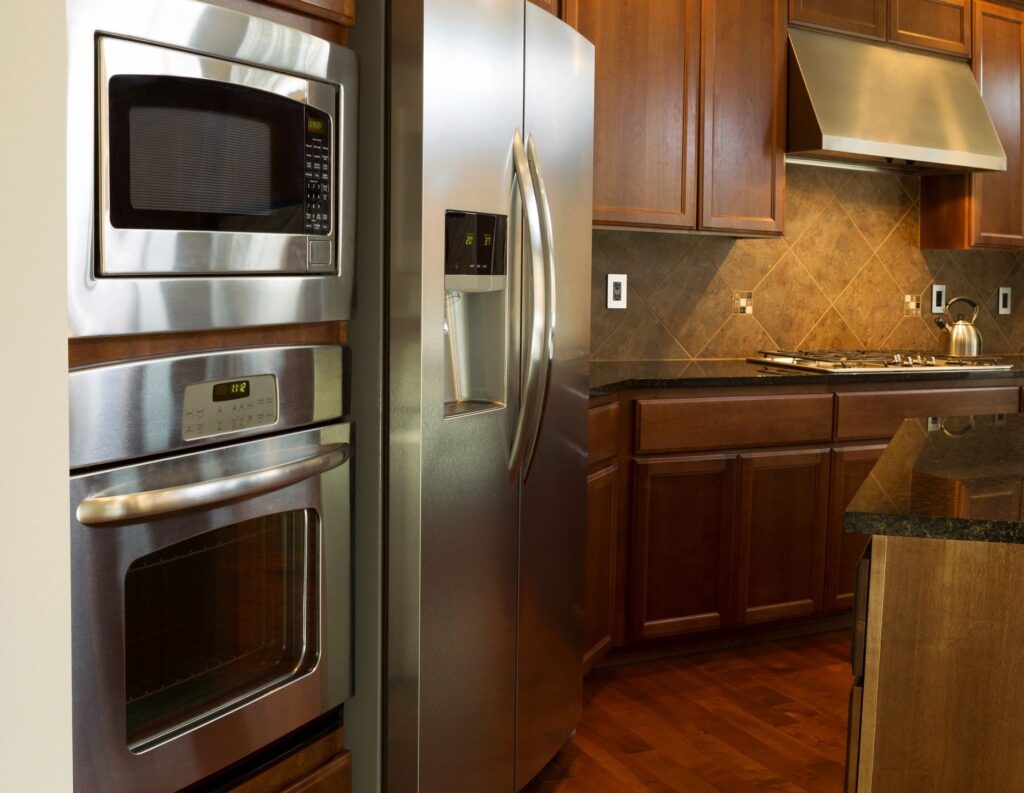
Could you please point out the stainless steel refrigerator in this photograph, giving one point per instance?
(490, 163)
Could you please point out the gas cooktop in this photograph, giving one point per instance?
(874, 361)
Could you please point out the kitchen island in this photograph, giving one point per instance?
(939, 634)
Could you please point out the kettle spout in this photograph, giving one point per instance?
(943, 325)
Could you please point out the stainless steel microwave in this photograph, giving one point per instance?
(215, 184)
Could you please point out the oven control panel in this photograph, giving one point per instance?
(220, 407)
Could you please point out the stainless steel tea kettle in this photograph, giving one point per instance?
(960, 337)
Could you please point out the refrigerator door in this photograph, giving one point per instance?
(559, 118)
(456, 101)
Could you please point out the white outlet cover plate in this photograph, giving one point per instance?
(617, 290)
(938, 298)
(1005, 300)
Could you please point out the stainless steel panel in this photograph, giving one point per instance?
(456, 100)
(852, 100)
(150, 251)
(559, 117)
(102, 555)
(134, 409)
(110, 306)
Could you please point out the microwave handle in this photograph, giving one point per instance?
(133, 507)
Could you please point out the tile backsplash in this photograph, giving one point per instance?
(847, 274)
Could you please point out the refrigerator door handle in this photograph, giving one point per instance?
(550, 292)
(536, 297)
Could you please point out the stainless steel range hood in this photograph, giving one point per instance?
(858, 103)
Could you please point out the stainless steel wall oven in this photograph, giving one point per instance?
(211, 170)
(211, 560)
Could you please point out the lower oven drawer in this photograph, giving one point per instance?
(211, 611)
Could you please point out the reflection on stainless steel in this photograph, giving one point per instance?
(853, 362)
(160, 704)
(236, 47)
(483, 612)
(856, 101)
(960, 337)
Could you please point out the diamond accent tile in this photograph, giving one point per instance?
(789, 304)
(832, 250)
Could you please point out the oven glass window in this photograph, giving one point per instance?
(198, 155)
(219, 619)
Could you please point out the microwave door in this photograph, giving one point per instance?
(212, 167)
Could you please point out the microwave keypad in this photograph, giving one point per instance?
(318, 173)
(233, 407)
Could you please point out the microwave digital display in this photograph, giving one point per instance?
(189, 154)
(239, 389)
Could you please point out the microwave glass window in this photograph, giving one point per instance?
(189, 154)
(217, 620)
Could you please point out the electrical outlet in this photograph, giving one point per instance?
(1005, 300)
(938, 298)
(617, 291)
(934, 423)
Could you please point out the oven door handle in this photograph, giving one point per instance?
(133, 507)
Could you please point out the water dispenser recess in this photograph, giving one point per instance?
(475, 312)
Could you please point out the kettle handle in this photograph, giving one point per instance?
(968, 301)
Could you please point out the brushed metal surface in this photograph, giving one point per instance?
(559, 110)
(202, 253)
(873, 103)
(101, 557)
(99, 306)
(133, 410)
(456, 101)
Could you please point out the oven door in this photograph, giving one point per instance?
(211, 167)
(211, 610)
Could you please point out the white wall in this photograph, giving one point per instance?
(35, 608)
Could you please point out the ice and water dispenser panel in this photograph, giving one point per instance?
(475, 312)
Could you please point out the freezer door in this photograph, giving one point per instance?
(559, 123)
(456, 101)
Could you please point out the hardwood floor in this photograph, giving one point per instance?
(766, 717)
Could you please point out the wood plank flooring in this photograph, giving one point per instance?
(757, 719)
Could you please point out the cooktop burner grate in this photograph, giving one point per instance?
(874, 361)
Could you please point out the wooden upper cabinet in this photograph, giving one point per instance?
(937, 25)
(743, 58)
(986, 209)
(864, 18)
(554, 6)
(782, 529)
(646, 103)
(341, 11)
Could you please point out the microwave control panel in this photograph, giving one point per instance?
(221, 407)
(318, 173)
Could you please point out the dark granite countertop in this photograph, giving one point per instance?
(606, 377)
(959, 478)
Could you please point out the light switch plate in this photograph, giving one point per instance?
(938, 298)
(617, 290)
(1005, 300)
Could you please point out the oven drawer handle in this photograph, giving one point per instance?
(132, 507)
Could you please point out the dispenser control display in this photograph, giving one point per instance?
(474, 243)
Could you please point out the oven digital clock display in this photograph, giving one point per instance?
(238, 389)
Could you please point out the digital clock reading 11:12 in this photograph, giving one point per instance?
(239, 389)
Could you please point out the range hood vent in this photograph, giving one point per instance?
(867, 104)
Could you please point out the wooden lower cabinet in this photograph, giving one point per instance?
(599, 594)
(783, 514)
(851, 466)
(683, 544)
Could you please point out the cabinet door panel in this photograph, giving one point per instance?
(864, 18)
(645, 133)
(938, 25)
(850, 469)
(743, 108)
(997, 498)
(549, 5)
(998, 197)
(599, 586)
(782, 527)
(683, 544)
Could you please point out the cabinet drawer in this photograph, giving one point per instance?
(879, 414)
(604, 433)
(678, 425)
